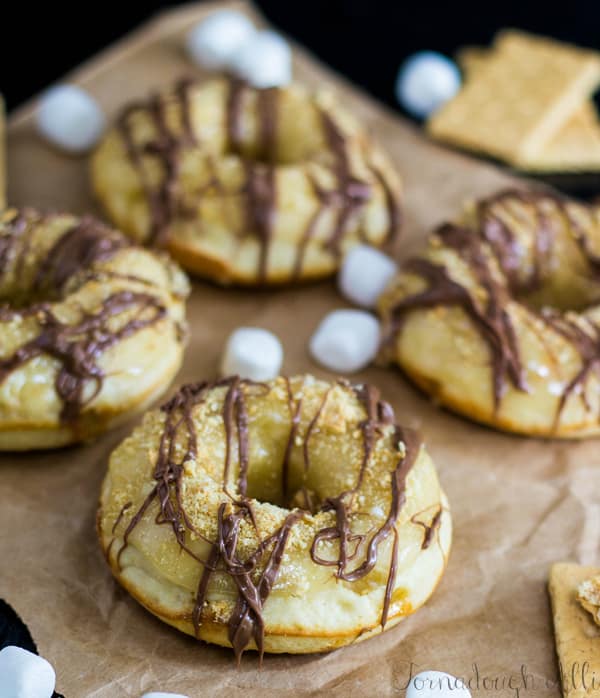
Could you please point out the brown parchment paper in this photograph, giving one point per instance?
(518, 504)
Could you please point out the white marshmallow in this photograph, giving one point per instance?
(346, 340)
(25, 675)
(425, 81)
(212, 42)
(263, 60)
(70, 118)
(364, 275)
(253, 353)
(160, 694)
(436, 684)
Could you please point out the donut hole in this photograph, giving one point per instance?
(293, 134)
(43, 255)
(317, 464)
(547, 248)
(287, 483)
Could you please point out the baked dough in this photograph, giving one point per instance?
(91, 328)
(223, 514)
(498, 318)
(244, 185)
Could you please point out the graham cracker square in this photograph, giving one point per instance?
(518, 98)
(577, 636)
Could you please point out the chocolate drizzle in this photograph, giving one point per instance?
(587, 344)
(233, 115)
(490, 315)
(351, 193)
(392, 200)
(505, 246)
(235, 404)
(78, 347)
(540, 215)
(261, 197)
(429, 528)
(255, 576)
(168, 471)
(260, 186)
(85, 244)
(260, 189)
(164, 200)
(295, 408)
(15, 238)
(543, 230)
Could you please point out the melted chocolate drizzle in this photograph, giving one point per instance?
(86, 243)
(164, 200)
(15, 239)
(587, 344)
(505, 246)
(351, 193)
(349, 196)
(502, 241)
(255, 576)
(490, 317)
(78, 347)
(429, 528)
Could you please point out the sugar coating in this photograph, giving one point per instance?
(214, 40)
(133, 365)
(330, 432)
(364, 274)
(346, 340)
(214, 235)
(446, 351)
(24, 674)
(70, 118)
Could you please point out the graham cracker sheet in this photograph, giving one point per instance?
(518, 504)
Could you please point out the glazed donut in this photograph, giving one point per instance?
(499, 319)
(91, 328)
(289, 516)
(244, 185)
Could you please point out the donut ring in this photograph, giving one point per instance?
(499, 319)
(246, 186)
(92, 333)
(194, 523)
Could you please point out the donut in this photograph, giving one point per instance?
(91, 328)
(288, 516)
(499, 318)
(245, 185)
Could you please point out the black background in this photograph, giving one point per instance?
(365, 39)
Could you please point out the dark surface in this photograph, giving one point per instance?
(14, 632)
(365, 39)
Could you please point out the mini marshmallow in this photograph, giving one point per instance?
(436, 684)
(212, 42)
(70, 118)
(253, 353)
(425, 81)
(263, 60)
(160, 694)
(364, 275)
(25, 675)
(346, 340)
